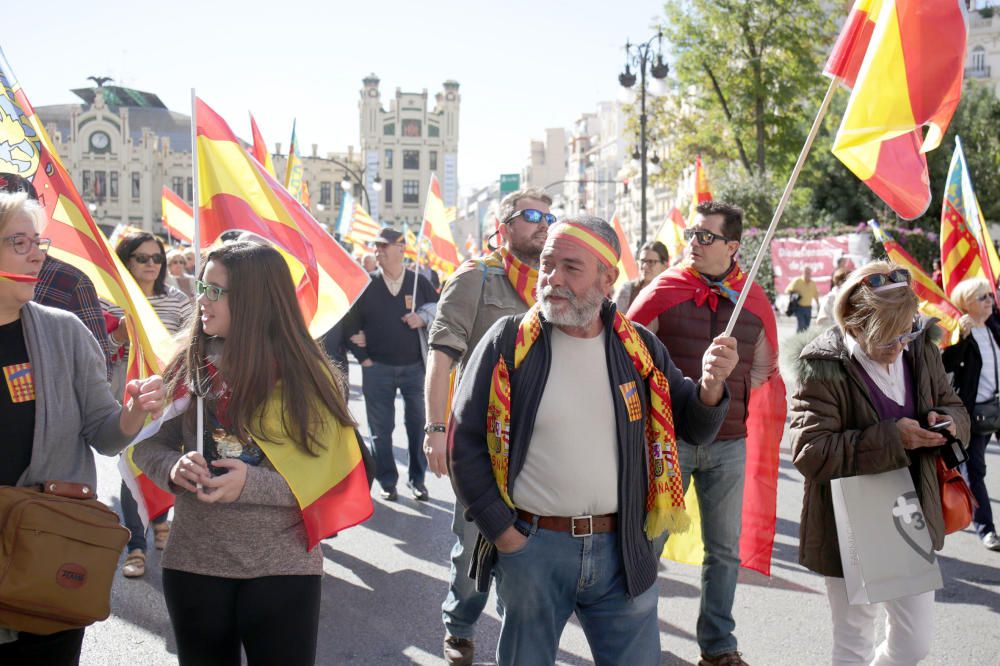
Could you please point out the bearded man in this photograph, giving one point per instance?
(571, 477)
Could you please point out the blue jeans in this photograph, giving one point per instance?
(379, 384)
(464, 603)
(975, 475)
(803, 315)
(556, 574)
(132, 522)
(718, 471)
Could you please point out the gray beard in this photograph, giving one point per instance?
(577, 312)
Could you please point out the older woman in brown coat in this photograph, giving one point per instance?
(864, 388)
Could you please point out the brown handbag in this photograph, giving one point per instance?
(957, 501)
(59, 550)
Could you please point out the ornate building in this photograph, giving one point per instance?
(404, 145)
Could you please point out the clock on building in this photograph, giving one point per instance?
(99, 142)
(372, 92)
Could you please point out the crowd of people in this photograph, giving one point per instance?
(563, 516)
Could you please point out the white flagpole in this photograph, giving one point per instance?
(416, 266)
(199, 413)
(779, 211)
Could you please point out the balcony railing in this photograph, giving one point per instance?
(977, 72)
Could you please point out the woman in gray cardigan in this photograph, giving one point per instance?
(56, 402)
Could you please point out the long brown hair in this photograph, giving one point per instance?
(268, 341)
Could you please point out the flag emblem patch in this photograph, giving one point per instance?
(20, 382)
(632, 404)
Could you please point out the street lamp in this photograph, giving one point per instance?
(640, 56)
(346, 184)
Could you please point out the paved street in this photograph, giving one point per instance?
(385, 581)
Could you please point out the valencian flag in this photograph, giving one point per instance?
(628, 269)
(671, 234)
(933, 301)
(294, 170)
(363, 229)
(25, 149)
(701, 192)
(441, 252)
(177, 216)
(260, 151)
(237, 193)
(967, 250)
(903, 60)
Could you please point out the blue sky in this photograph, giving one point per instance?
(523, 66)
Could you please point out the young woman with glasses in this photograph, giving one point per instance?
(653, 260)
(866, 392)
(143, 254)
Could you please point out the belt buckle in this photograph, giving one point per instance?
(590, 526)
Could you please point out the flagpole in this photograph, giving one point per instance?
(196, 242)
(779, 211)
(416, 267)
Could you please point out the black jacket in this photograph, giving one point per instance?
(469, 459)
(964, 360)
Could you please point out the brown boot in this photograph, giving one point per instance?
(135, 564)
(161, 533)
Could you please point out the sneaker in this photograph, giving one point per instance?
(458, 651)
(419, 491)
(389, 494)
(161, 533)
(135, 564)
(725, 659)
(991, 541)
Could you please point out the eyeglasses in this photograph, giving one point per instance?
(877, 280)
(209, 291)
(146, 258)
(22, 243)
(704, 236)
(984, 298)
(903, 340)
(533, 216)
(650, 262)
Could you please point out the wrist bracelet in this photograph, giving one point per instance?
(435, 427)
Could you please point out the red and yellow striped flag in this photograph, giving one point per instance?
(410, 251)
(442, 252)
(237, 193)
(967, 250)
(294, 170)
(671, 234)
(177, 216)
(628, 269)
(363, 229)
(904, 60)
(76, 239)
(260, 151)
(701, 191)
(933, 301)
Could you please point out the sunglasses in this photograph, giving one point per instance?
(704, 236)
(984, 298)
(533, 216)
(146, 258)
(209, 291)
(22, 244)
(903, 340)
(877, 280)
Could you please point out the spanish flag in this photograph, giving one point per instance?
(671, 234)
(177, 216)
(442, 253)
(260, 151)
(701, 191)
(363, 229)
(933, 301)
(237, 193)
(967, 250)
(76, 239)
(294, 170)
(628, 269)
(904, 61)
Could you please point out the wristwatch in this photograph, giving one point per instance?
(435, 427)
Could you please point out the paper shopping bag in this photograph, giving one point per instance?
(885, 546)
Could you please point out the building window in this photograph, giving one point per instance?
(114, 185)
(433, 160)
(978, 60)
(100, 184)
(190, 191)
(389, 129)
(411, 191)
(411, 127)
(324, 193)
(411, 159)
(136, 184)
(338, 195)
(387, 188)
(433, 131)
(177, 185)
(88, 183)
(388, 158)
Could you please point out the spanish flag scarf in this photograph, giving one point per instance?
(522, 276)
(665, 494)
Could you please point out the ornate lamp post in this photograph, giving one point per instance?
(640, 56)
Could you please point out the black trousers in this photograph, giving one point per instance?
(274, 618)
(59, 649)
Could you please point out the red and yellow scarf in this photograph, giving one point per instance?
(522, 276)
(665, 494)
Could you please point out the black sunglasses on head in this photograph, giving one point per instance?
(895, 276)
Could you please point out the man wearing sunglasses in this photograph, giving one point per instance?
(687, 306)
(479, 293)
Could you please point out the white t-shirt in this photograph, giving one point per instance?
(988, 350)
(572, 464)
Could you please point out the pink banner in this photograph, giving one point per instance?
(789, 256)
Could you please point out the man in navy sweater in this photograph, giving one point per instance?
(393, 313)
